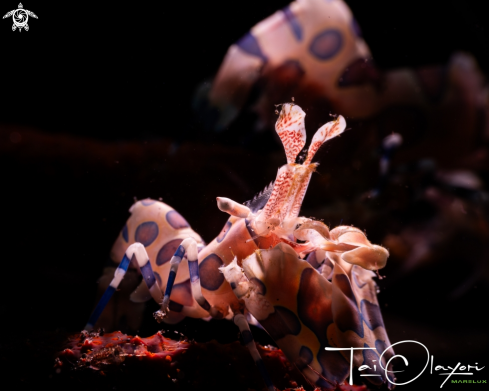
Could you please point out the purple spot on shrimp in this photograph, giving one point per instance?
(210, 276)
(380, 346)
(224, 232)
(146, 233)
(326, 44)
(167, 251)
(176, 220)
(342, 282)
(293, 23)
(313, 307)
(148, 202)
(312, 259)
(335, 367)
(371, 314)
(249, 44)
(281, 323)
(125, 234)
(345, 310)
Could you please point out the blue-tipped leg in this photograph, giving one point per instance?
(137, 254)
(118, 275)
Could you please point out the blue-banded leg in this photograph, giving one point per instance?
(137, 254)
(188, 246)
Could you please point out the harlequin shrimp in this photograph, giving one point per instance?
(310, 288)
(311, 48)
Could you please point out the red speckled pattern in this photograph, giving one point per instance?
(315, 145)
(323, 134)
(279, 193)
(293, 143)
(291, 130)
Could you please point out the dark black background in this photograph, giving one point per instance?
(116, 72)
(112, 71)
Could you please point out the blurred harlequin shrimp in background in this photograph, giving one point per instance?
(313, 50)
(310, 288)
(307, 45)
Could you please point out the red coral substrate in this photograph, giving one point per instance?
(124, 362)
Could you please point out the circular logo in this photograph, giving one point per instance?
(20, 17)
